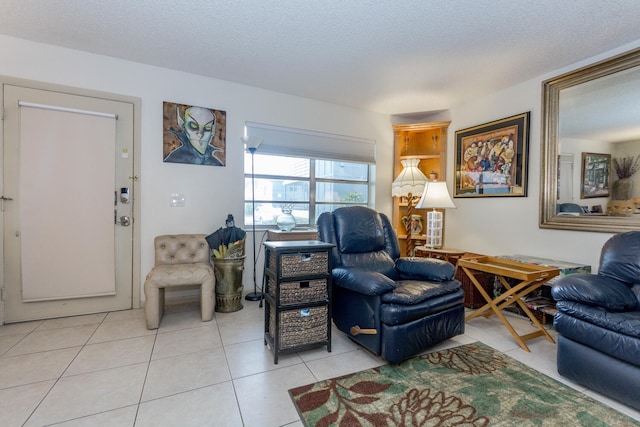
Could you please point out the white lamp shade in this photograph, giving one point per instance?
(410, 181)
(435, 196)
(251, 142)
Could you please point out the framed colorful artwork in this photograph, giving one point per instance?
(193, 135)
(491, 159)
(595, 175)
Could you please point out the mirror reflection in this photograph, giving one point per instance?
(591, 147)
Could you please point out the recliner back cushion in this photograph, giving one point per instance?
(358, 230)
(620, 258)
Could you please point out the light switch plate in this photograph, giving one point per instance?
(177, 200)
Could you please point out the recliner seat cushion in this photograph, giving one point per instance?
(399, 314)
(606, 341)
(408, 292)
(626, 323)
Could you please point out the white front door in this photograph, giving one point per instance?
(67, 245)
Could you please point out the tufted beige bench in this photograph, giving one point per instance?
(181, 260)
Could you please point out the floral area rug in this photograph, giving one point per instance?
(470, 385)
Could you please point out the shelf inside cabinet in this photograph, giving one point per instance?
(426, 142)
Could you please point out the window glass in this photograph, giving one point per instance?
(342, 170)
(341, 192)
(306, 186)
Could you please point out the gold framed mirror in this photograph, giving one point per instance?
(595, 109)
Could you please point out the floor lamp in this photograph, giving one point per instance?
(411, 181)
(251, 144)
(435, 196)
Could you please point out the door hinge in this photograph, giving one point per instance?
(1, 294)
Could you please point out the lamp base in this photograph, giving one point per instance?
(254, 296)
(434, 229)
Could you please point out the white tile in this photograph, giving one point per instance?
(177, 308)
(19, 328)
(342, 364)
(121, 329)
(122, 417)
(53, 339)
(8, 341)
(253, 357)
(171, 375)
(186, 341)
(192, 378)
(111, 354)
(491, 333)
(137, 313)
(215, 405)
(92, 393)
(339, 344)
(264, 398)
(65, 322)
(31, 368)
(17, 403)
(241, 326)
(184, 319)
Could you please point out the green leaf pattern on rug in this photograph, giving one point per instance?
(472, 385)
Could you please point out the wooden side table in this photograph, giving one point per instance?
(472, 298)
(295, 234)
(531, 277)
(447, 254)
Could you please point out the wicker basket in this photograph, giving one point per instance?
(300, 327)
(472, 297)
(301, 264)
(299, 292)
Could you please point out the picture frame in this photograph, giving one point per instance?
(491, 159)
(595, 175)
(193, 135)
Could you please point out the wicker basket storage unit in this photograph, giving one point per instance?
(299, 327)
(301, 264)
(299, 292)
(297, 295)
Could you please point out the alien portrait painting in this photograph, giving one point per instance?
(193, 135)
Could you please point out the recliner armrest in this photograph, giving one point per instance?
(425, 269)
(595, 290)
(362, 281)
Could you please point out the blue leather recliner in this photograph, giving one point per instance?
(598, 322)
(395, 307)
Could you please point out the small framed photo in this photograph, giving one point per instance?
(595, 175)
(491, 159)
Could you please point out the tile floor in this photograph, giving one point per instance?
(109, 370)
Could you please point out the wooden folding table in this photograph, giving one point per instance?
(531, 277)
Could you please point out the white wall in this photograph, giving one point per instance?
(493, 226)
(504, 225)
(211, 192)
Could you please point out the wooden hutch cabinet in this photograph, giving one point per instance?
(426, 142)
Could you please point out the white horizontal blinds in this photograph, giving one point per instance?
(66, 110)
(66, 158)
(284, 141)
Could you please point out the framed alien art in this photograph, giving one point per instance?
(193, 135)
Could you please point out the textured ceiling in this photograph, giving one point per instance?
(393, 57)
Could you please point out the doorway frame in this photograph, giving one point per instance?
(135, 182)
